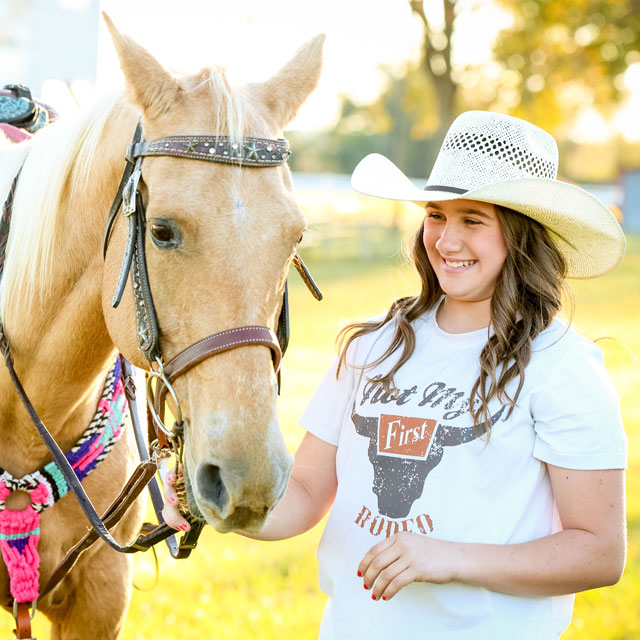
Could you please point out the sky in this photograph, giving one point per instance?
(253, 38)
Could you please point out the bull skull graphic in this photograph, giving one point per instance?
(403, 451)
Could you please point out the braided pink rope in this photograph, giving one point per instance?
(19, 536)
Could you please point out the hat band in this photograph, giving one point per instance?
(437, 187)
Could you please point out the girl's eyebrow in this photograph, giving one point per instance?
(435, 205)
(477, 212)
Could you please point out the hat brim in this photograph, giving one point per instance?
(583, 228)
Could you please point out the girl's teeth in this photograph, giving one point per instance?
(459, 264)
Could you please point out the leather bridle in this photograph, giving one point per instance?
(250, 152)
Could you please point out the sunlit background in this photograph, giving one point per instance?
(396, 73)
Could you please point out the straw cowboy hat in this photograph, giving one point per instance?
(506, 161)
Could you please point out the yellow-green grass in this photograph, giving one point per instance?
(232, 587)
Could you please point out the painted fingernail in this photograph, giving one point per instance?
(184, 527)
(373, 597)
(384, 597)
(359, 574)
(172, 500)
(365, 586)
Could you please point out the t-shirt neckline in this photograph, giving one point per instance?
(479, 336)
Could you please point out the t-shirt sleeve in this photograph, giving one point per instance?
(576, 413)
(325, 412)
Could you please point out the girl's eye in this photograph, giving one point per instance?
(472, 221)
(166, 234)
(434, 215)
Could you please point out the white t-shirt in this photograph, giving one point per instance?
(412, 462)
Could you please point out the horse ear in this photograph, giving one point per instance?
(151, 86)
(286, 91)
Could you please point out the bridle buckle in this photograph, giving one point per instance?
(130, 190)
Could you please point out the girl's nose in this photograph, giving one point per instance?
(449, 240)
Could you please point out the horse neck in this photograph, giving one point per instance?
(61, 348)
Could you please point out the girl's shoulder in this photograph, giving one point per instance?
(560, 337)
(561, 346)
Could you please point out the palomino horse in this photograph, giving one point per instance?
(220, 239)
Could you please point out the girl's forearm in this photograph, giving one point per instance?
(296, 513)
(566, 562)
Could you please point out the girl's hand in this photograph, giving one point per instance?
(170, 511)
(403, 558)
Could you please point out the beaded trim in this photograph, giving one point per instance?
(20, 529)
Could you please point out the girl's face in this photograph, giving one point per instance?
(465, 246)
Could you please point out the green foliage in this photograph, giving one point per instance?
(407, 122)
(567, 54)
(332, 151)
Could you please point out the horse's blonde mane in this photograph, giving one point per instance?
(44, 176)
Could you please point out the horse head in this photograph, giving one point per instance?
(219, 241)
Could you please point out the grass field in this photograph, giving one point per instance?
(238, 588)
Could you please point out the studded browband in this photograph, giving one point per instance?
(251, 152)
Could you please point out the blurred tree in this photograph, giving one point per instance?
(409, 119)
(397, 124)
(402, 120)
(563, 59)
(436, 62)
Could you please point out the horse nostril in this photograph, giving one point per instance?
(211, 486)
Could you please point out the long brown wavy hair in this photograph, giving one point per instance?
(527, 296)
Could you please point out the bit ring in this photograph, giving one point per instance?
(160, 375)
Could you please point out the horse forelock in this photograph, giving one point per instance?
(58, 159)
(232, 114)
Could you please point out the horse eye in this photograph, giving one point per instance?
(165, 235)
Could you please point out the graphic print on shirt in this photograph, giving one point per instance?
(403, 450)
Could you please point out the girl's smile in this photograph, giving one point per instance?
(455, 266)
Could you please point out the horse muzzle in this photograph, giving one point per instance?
(238, 492)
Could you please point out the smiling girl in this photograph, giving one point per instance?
(469, 443)
(466, 250)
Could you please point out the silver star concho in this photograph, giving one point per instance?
(190, 147)
(252, 152)
(143, 335)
